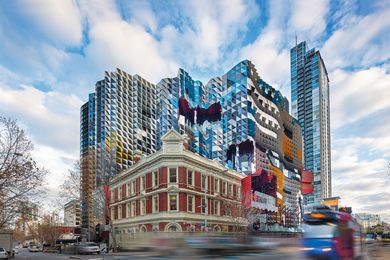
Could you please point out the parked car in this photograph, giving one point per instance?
(34, 248)
(88, 248)
(3, 253)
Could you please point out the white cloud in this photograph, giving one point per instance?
(272, 64)
(115, 43)
(59, 21)
(360, 43)
(49, 117)
(308, 17)
(208, 30)
(355, 95)
(361, 182)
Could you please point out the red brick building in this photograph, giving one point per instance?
(174, 190)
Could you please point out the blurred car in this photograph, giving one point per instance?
(370, 238)
(34, 248)
(88, 248)
(3, 253)
(386, 238)
(15, 250)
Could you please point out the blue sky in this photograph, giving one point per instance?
(53, 52)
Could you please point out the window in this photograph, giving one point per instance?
(216, 185)
(155, 204)
(143, 207)
(120, 212)
(204, 182)
(142, 185)
(172, 175)
(132, 187)
(238, 192)
(120, 193)
(190, 177)
(155, 179)
(216, 207)
(173, 202)
(128, 190)
(224, 187)
(133, 209)
(230, 190)
(204, 205)
(190, 203)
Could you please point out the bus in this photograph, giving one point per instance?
(332, 235)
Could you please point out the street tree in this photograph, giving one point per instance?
(71, 187)
(240, 214)
(20, 176)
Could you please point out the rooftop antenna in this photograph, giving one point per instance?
(296, 40)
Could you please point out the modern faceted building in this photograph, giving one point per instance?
(87, 157)
(310, 105)
(118, 119)
(237, 119)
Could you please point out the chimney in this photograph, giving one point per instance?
(137, 156)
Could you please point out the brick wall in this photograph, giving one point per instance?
(162, 177)
(182, 177)
(163, 201)
(183, 201)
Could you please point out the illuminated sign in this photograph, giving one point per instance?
(263, 201)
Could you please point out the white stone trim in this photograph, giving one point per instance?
(167, 226)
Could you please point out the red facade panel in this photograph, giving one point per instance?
(116, 194)
(198, 181)
(198, 202)
(148, 180)
(162, 225)
(182, 177)
(123, 191)
(137, 185)
(162, 177)
(183, 201)
(163, 202)
(246, 190)
(115, 212)
(307, 182)
(123, 210)
(149, 204)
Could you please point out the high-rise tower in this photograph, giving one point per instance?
(310, 105)
(118, 120)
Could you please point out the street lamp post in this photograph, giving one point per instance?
(206, 208)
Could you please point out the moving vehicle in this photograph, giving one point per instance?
(331, 234)
(3, 253)
(88, 248)
(386, 238)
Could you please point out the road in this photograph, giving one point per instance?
(374, 253)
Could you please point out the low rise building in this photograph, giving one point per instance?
(72, 213)
(175, 189)
(368, 220)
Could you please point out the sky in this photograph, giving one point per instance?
(53, 52)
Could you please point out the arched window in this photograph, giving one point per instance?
(173, 227)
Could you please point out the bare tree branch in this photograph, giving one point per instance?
(20, 177)
(71, 187)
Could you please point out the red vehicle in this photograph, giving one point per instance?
(332, 235)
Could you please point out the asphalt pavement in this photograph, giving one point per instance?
(285, 253)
